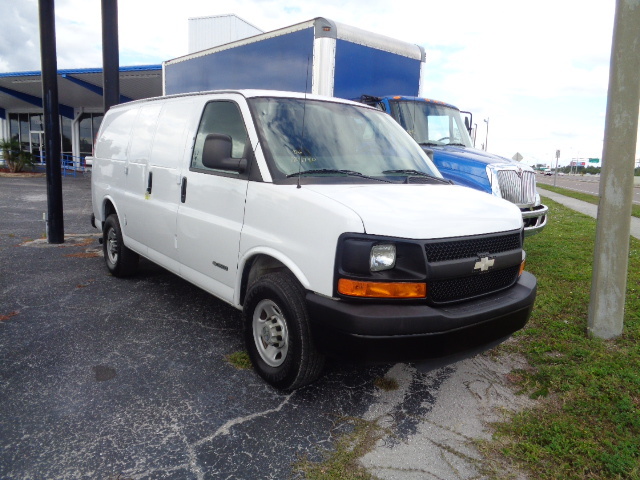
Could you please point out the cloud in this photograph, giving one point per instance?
(536, 69)
(19, 46)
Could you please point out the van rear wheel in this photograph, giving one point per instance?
(278, 334)
(120, 261)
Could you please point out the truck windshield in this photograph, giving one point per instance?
(316, 139)
(431, 124)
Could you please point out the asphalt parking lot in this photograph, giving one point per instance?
(110, 378)
(119, 379)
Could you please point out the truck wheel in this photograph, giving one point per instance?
(277, 332)
(120, 261)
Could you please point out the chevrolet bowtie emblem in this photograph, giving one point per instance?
(484, 264)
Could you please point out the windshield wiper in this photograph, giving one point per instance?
(409, 173)
(350, 173)
(430, 144)
(456, 144)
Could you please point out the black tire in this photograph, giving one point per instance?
(278, 334)
(120, 261)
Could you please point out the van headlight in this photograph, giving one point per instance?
(371, 266)
(383, 257)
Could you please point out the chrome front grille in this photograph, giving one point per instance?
(517, 186)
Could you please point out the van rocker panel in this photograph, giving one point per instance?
(420, 331)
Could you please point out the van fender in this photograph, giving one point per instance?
(267, 252)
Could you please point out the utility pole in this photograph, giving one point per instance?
(556, 172)
(611, 256)
(110, 54)
(48, 55)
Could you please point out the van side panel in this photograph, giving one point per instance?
(165, 164)
(136, 221)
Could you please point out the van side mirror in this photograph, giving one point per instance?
(217, 154)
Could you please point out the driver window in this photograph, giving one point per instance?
(220, 117)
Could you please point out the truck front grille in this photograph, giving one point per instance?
(454, 275)
(471, 247)
(517, 186)
(444, 291)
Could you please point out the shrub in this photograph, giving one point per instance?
(16, 159)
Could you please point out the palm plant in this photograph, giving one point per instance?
(16, 159)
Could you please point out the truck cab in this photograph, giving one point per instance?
(439, 129)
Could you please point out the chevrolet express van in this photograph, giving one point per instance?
(321, 219)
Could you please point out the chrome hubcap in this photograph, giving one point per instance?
(112, 246)
(270, 333)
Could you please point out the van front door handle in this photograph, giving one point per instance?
(183, 190)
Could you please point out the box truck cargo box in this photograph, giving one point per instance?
(319, 56)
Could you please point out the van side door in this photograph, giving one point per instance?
(139, 177)
(211, 211)
(170, 149)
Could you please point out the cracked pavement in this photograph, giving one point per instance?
(126, 378)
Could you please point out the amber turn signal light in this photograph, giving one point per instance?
(522, 265)
(356, 288)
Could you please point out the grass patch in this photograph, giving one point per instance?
(239, 359)
(587, 425)
(585, 197)
(343, 463)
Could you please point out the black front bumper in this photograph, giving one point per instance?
(402, 332)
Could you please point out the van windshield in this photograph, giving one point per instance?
(321, 139)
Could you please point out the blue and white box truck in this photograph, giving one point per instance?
(318, 56)
(324, 57)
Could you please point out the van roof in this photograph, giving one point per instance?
(249, 93)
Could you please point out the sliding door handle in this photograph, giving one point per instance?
(183, 190)
(149, 183)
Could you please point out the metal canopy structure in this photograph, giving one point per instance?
(77, 88)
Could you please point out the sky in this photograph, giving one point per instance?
(538, 71)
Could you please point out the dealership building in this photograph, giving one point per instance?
(80, 92)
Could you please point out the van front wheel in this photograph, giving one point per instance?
(120, 261)
(277, 332)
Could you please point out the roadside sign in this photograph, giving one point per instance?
(517, 157)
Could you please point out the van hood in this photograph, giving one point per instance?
(420, 211)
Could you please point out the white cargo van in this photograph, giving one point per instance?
(320, 218)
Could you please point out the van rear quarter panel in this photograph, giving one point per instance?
(110, 163)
